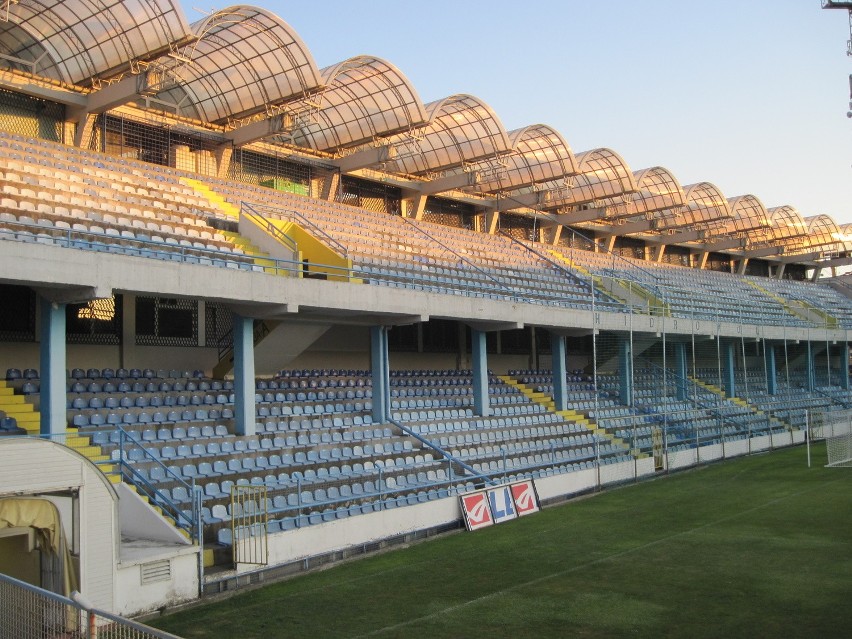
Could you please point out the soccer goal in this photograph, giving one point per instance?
(838, 446)
(837, 434)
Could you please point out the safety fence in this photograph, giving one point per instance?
(29, 612)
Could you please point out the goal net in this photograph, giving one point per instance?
(838, 442)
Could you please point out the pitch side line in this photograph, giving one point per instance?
(533, 582)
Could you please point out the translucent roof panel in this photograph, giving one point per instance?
(748, 214)
(363, 98)
(244, 59)
(86, 39)
(704, 206)
(822, 231)
(786, 223)
(603, 174)
(846, 236)
(656, 190)
(461, 129)
(539, 154)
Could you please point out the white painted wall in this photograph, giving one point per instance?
(29, 466)
(133, 598)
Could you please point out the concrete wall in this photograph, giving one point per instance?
(133, 597)
(29, 467)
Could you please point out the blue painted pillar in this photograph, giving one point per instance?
(244, 400)
(381, 373)
(560, 371)
(625, 371)
(771, 371)
(809, 353)
(52, 364)
(728, 368)
(844, 365)
(479, 356)
(681, 372)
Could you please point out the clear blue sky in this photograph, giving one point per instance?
(748, 94)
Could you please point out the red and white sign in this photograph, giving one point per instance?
(477, 513)
(526, 499)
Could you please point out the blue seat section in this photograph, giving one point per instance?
(321, 457)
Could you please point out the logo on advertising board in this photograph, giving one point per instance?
(477, 514)
(526, 500)
(502, 504)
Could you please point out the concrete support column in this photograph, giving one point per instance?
(844, 365)
(771, 371)
(728, 363)
(244, 403)
(52, 368)
(380, 366)
(681, 385)
(560, 370)
(810, 367)
(479, 356)
(625, 371)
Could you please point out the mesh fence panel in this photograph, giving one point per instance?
(28, 612)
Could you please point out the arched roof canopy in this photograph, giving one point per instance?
(846, 236)
(603, 174)
(362, 99)
(747, 215)
(539, 154)
(705, 206)
(244, 59)
(75, 42)
(822, 231)
(461, 129)
(787, 223)
(657, 189)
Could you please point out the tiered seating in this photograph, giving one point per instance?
(60, 195)
(819, 296)
(390, 251)
(694, 293)
(519, 436)
(792, 399)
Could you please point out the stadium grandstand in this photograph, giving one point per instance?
(258, 315)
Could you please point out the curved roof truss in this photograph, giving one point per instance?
(78, 42)
(705, 206)
(362, 99)
(657, 189)
(823, 232)
(747, 215)
(461, 129)
(243, 60)
(603, 174)
(539, 154)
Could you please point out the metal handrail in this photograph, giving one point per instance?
(192, 523)
(276, 212)
(476, 267)
(270, 229)
(446, 454)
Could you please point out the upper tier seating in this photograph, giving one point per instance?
(59, 195)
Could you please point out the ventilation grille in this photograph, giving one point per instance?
(155, 571)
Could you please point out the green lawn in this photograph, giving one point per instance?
(757, 547)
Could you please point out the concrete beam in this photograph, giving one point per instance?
(490, 327)
(518, 201)
(449, 183)
(255, 131)
(32, 87)
(575, 217)
(365, 158)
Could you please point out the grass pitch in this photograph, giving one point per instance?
(755, 547)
